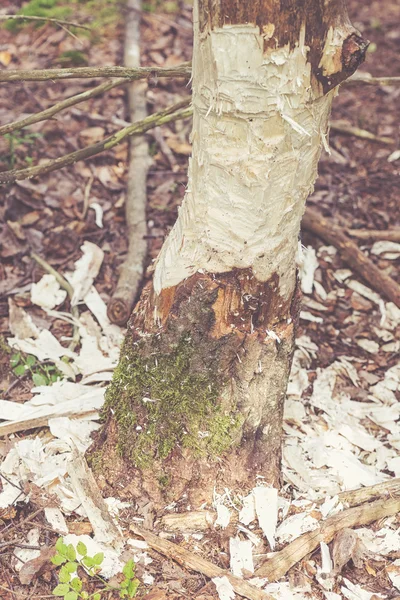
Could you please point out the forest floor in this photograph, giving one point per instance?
(342, 418)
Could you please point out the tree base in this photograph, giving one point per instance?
(197, 399)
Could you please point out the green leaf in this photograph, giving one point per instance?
(19, 370)
(58, 560)
(61, 589)
(54, 378)
(97, 596)
(88, 561)
(14, 360)
(129, 569)
(81, 548)
(123, 594)
(133, 587)
(64, 576)
(71, 596)
(98, 558)
(61, 547)
(76, 584)
(71, 553)
(39, 379)
(30, 360)
(71, 567)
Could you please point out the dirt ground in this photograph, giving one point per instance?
(357, 187)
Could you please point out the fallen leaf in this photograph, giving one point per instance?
(35, 567)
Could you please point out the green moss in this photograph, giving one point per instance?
(51, 9)
(161, 402)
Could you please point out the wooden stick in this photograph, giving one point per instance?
(392, 235)
(182, 70)
(363, 77)
(275, 567)
(26, 424)
(52, 110)
(120, 305)
(343, 127)
(173, 113)
(386, 489)
(190, 560)
(335, 235)
(47, 19)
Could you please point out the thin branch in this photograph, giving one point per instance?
(182, 70)
(52, 110)
(131, 273)
(363, 77)
(392, 235)
(197, 563)
(47, 19)
(343, 127)
(279, 564)
(349, 251)
(173, 113)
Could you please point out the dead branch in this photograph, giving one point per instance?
(47, 19)
(364, 77)
(52, 110)
(275, 567)
(182, 70)
(392, 235)
(386, 490)
(343, 127)
(9, 427)
(190, 560)
(131, 274)
(335, 235)
(88, 492)
(173, 113)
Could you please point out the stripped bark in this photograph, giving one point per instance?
(131, 274)
(198, 397)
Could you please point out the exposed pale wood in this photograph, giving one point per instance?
(275, 567)
(131, 273)
(355, 258)
(190, 560)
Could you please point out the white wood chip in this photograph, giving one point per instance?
(266, 504)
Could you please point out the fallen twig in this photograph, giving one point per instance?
(70, 291)
(89, 494)
(131, 273)
(387, 489)
(52, 110)
(392, 235)
(47, 19)
(275, 567)
(182, 70)
(335, 235)
(7, 428)
(190, 560)
(343, 127)
(363, 77)
(173, 113)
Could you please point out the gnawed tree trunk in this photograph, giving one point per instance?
(197, 399)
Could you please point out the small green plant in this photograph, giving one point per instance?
(41, 373)
(16, 140)
(70, 585)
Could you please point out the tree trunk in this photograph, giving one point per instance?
(197, 399)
